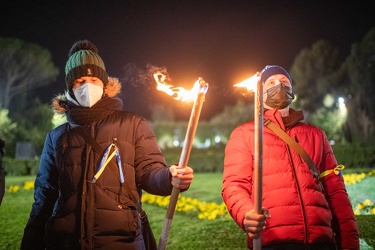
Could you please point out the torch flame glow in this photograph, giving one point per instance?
(197, 94)
(251, 83)
(179, 93)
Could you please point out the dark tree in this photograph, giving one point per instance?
(312, 72)
(357, 83)
(23, 66)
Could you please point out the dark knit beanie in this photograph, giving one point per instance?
(271, 70)
(84, 61)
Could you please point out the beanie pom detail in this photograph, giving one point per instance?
(83, 45)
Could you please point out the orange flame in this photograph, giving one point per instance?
(179, 93)
(251, 83)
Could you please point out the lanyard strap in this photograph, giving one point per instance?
(106, 159)
(98, 150)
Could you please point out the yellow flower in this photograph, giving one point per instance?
(205, 210)
(365, 208)
(13, 189)
(353, 178)
(28, 185)
(367, 202)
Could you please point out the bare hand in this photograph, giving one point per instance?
(255, 223)
(181, 177)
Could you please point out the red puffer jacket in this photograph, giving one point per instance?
(300, 212)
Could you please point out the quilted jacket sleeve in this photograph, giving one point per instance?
(45, 195)
(152, 173)
(344, 224)
(237, 176)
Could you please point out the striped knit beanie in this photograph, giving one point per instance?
(84, 61)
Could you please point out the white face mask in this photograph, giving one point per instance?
(88, 94)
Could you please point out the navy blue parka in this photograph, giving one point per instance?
(71, 211)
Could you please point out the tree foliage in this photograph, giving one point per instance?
(7, 127)
(35, 124)
(312, 72)
(32, 125)
(331, 118)
(357, 83)
(236, 114)
(23, 66)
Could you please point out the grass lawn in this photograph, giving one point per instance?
(187, 231)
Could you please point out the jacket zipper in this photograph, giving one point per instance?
(299, 195)
(299, 157)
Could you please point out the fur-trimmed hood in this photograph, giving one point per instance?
(112, 89)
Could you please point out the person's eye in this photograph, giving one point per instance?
(286, 83)
(271, 83)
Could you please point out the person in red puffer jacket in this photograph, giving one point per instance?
(298, 212)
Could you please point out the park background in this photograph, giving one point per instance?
(334, 87)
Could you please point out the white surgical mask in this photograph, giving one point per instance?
(88, 94)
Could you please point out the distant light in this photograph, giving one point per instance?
(342, 104)
(328, 101)
(207, 142)
(217, 139)
(176, 143)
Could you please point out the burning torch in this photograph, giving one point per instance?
(255, 84)
(197, 93)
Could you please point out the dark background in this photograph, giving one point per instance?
(224, 42)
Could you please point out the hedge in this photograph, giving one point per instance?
(15, 167)
(212, 159)
(355, 156)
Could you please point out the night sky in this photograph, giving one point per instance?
(224, 42)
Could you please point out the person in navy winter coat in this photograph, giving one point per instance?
(79, 202)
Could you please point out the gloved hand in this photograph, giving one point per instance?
(255, 223)
(181, 177)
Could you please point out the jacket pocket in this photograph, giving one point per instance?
(61, 231)
(115, 214)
